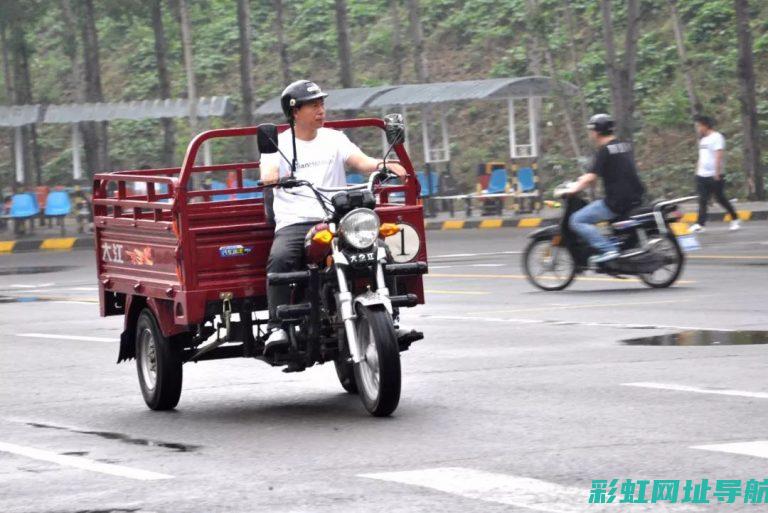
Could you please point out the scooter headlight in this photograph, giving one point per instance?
(360, 228)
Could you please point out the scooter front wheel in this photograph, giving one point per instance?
(378, 374)
(547, 266)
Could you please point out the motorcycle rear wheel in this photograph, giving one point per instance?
(555, 274)
(378, 375)
(667, 274)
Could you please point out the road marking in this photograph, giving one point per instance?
(67, 337)
(31, 286)
(523, 277)
(486, 265)
(549, 308)
(620, 325)
(698, 390)
(758, 448)
(728, 257)
(460, 255)
(83, 463)
(458, 292)
(521, 492)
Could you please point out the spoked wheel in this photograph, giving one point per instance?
(547, 266)
(669, 250)
(158, 363)
(378, 374)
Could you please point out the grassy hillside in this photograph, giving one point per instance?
(466, 39)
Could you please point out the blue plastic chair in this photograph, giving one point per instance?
(422, 177)
(24, 206)
(355, 178)
(58, 204)
(526, 179)
(217, 186)
(497, 184)
(249, 195)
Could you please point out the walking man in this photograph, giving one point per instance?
(709, 172)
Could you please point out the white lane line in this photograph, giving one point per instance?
(66, 337)
(441, 267)
(758, 448)
(457, 292)
(486, 265)
(521, 492)
(462, 255)
(83, 463)
(31, 286)
(511, 320)
(697, 390)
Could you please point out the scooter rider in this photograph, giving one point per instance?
(321, 157)
(614, 163)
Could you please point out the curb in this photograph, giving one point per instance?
(535, 222)
(53, 244)
(70, 243)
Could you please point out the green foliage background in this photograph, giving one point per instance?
(466, 39)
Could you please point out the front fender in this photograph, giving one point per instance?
(371, 298)
(546, 233)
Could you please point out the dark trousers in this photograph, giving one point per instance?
(706, 186)
(286, 255)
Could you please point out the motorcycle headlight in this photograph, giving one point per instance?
(360, 228)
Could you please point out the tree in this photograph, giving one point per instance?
(685, 65)
(282, 47)
(95, 136)
(342, 35)
(163, 81)
(22, 88)
(189, 65)
(420, 62)
(622, 74)
(746, 74)
(397, 42)
(246, 70)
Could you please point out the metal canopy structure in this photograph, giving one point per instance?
(436, 96)
(17, 116)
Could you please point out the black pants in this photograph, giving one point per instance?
(286, 255)
(705, 186)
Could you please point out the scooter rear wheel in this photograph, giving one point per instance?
(667, 274)
(548, 267)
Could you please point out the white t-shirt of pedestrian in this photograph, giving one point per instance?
(708, 146)
(321, 162)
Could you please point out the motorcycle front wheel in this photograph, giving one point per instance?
(378, 374)
(672, 266)
(547, 266)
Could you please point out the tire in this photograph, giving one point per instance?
(671, 249)
(158, 364)
(378, 375)
(559, 282)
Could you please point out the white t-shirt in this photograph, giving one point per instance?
(320, 162)
(708, 145)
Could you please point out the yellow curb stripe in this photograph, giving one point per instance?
(6, 246)
(529, 222)
(679, 228)
(690, 217)
(453, 224)
(744, 215)
(55, 244)
(491, 223)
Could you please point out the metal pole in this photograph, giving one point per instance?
(425, 136)
(384, 145)
(404, 112)
(77, 167)
(18, 146)
(533, 126)
(444, 128)
(512, 128)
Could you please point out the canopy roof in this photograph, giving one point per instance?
(360, 98)
(14, 116)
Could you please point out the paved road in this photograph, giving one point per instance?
(516, 400)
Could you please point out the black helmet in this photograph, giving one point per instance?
(298, 93)
(601, 123)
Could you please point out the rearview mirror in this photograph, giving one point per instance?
(266, 138)
(394, 127)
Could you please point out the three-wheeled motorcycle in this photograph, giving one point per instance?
(649, 247)
(185, 263)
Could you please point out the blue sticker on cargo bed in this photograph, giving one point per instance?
(234, 251)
